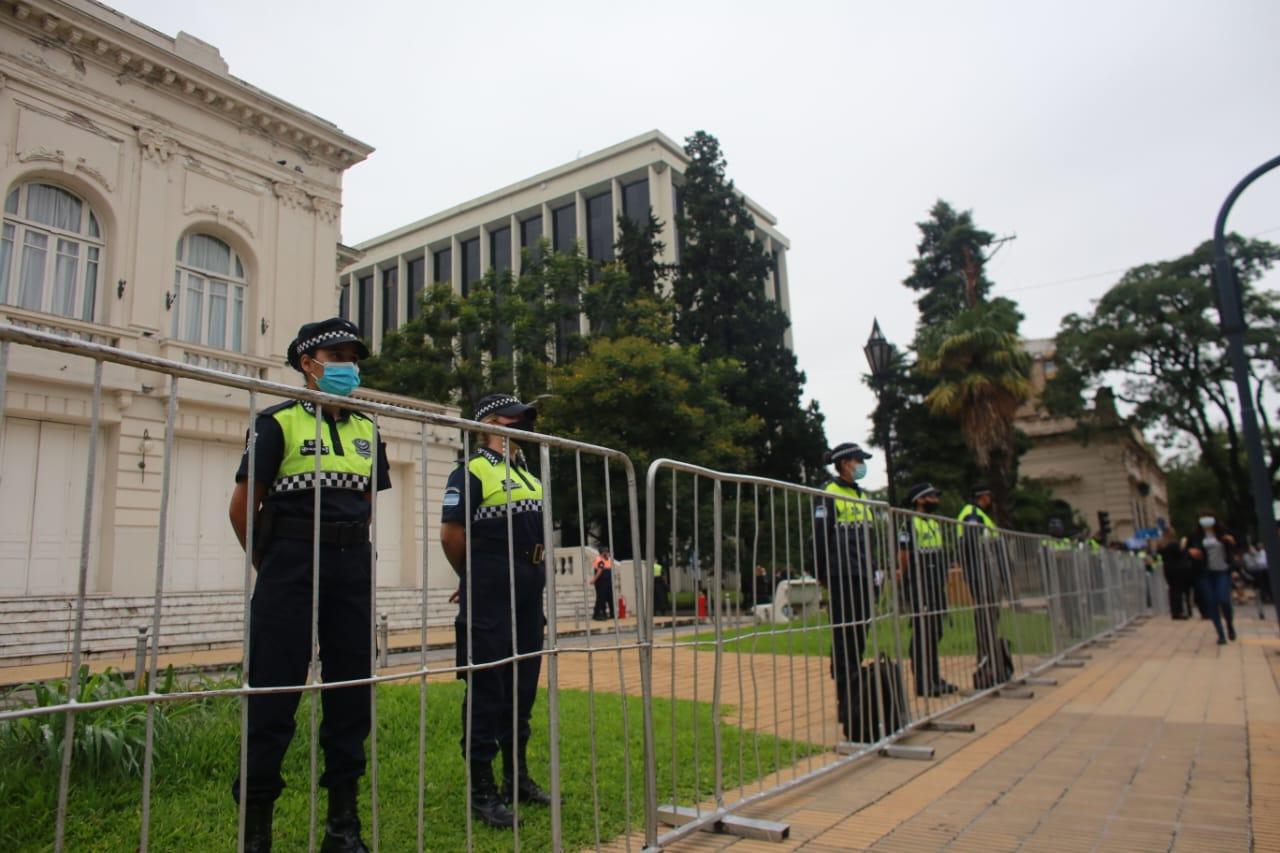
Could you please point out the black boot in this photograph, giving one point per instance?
(342, 829)
(257, 826)
(486, 803)
(529, 790)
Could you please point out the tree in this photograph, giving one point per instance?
(1156, 332)
(969, 369)
(722, 308)
(981, 377)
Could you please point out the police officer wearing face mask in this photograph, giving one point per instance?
(923, 563)
(326, 353)
(493, 493)
(841, 531)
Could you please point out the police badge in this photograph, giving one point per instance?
(363, 447)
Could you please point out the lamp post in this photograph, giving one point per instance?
(880, 355)
(1231, 312)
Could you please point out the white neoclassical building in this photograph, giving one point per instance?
(156, 203)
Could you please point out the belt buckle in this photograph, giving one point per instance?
(536, 554)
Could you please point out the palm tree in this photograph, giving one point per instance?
(981, 376)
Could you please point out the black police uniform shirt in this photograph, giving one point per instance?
(464, 496)
(336, 504)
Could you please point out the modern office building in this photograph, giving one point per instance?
(578, 201)
(1115, 470)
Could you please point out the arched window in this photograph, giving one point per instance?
(50, 252)
(208, 293)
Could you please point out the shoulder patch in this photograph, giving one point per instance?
(821, 511)
(452, 496)
(363, 447)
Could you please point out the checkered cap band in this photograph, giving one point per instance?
(499, 402)
(500, 511)
(328, 480)
(339, 336)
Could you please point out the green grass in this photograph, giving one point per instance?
(197, 758)
(1028, 633)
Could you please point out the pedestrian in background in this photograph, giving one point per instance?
(602, 580)
(1177, 573)
(1210, 549)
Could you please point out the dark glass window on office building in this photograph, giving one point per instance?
(344, 300)
(564, 228)
(390, 299)
(442, 265)
(530, 234)
(470, 263)
(500, 249)
(364, 304)
(600, 227)
(635, 201)
(415, 271)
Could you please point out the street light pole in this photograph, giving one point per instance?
(1231, 313)
(880, 353)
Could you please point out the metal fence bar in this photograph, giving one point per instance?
(73, 682)
(171, 411)
(251, 449)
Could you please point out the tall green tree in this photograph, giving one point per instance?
(1155, 334)
(723, 308)
(981, 376)
(950, 410)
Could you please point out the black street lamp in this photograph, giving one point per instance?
(1231, 312)
(880, 355)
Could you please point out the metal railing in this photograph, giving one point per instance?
(878, 622)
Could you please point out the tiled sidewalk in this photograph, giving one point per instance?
(1164, 741)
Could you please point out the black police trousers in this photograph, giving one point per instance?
(280, 650)
(850, 604)
(925, 590)
(981, 565)
(604, 596)
(499, 695)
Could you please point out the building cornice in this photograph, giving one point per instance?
(83, 29)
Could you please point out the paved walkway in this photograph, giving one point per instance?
(1164, 741)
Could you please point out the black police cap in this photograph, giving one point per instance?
(324, 333)
(979, 490)
(920, 491)
(505, 405)
(847, 450)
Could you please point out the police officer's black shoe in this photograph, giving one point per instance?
(529, 791)
(257, 826)
(486, 803)
(342, 829)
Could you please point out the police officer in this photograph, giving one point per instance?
(981, 552)
(1061, 553)
(841, 533)
(661, 590)
(326, 353)
(494, 489)
(923, 563)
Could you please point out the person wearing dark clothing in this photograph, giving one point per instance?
(352, 462)
(489, 494)
(842, 525)
(1209, 549)
(923, 564)
(1174, 563)
(983, 563)
(661, 590)
(602, 580)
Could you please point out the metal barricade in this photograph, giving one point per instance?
(774, 633)
(430, 779)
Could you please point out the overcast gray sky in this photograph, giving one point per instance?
(1104, 134)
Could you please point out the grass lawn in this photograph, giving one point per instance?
(1028, 633)
(197, 758)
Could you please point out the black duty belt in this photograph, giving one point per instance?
(331, 532)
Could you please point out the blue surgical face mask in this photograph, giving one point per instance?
(1208, 521)
(340, 377)
(859, 470)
